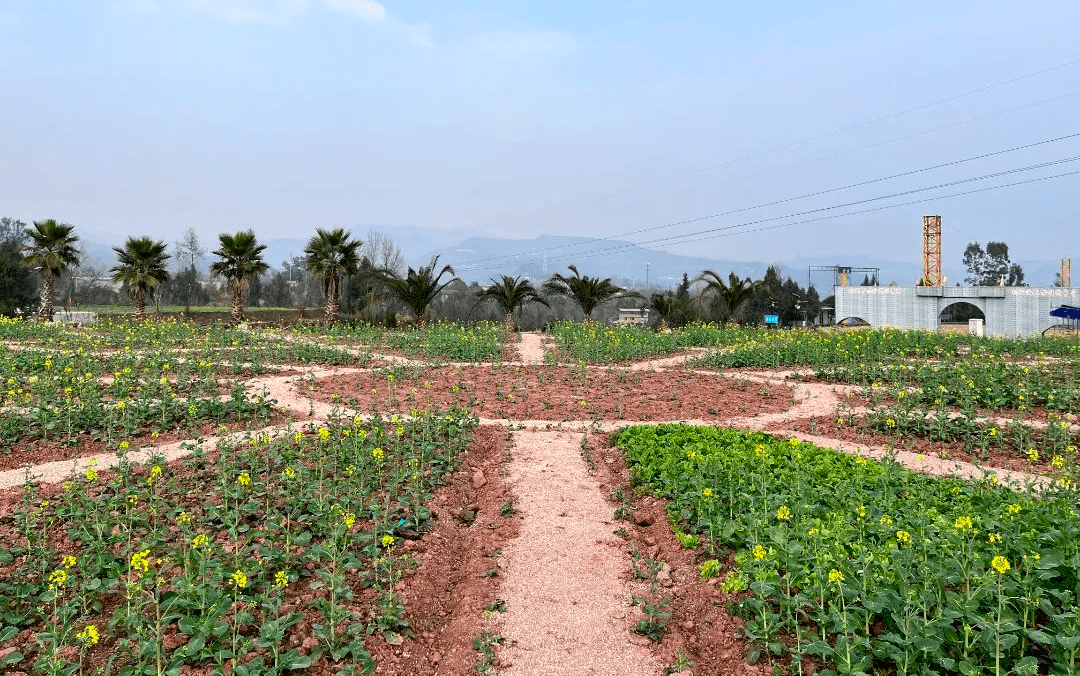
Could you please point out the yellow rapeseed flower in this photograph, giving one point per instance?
(89, 636)
(57, 578)
(1000, 564)
(903, 536)
(759, 552)
(140, 562)
(348, 518)
(239, 579)
(963, 523)
(377, 453)
(387, 540)
(706, 493)
(281, 579)
(836, 576)
(324, 433)
(200, 541)
(244, 479)
(783, 513)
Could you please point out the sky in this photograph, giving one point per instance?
(603, 118)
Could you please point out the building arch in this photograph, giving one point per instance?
(959, 312)
(852, 321)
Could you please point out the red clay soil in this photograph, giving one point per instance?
(951, 450)
(446, 594)
(561, 393)
(700, 629)
(39, 451)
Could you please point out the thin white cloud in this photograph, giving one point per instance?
(254, 11)
(365, 10)
(527, 44)
(283, 12)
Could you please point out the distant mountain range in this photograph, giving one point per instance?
(477, 257)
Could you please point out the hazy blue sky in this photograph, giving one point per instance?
(519, 118)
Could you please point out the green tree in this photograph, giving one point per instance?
(732, 294)
(51, 248)
(417, 288)
(240, 258)
(140, 268)
(588, 292)
(332, 254)
(664, 305)
(17, 281)
(511, 294)
(991, 267)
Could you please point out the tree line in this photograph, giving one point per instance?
(337, 269)
(367, 279)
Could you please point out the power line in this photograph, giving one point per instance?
(830, 156)
(490, 262)
(726, 230)
(804, 141)
(903, 138)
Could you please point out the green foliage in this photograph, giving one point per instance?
(140, 267)
(51, 248)
(868, 567)
(478, 342)
(16, 280)
(239, 259)
(731, 294)
(118, 379)
(588, 292)
(600, 344)
(511, 294)
(991, 267)
(225, 550)
(417, 288)
(331, 255)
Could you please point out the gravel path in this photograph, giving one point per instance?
(531, 348)
(564, 590)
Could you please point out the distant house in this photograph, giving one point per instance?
(633, 315)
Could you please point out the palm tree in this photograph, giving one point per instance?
(332, 255)
(52, 248)
(241, 257)
(665, 305)
(734, 293)
(417, 288)
(587, 292)
(140, 267)
(512, 294)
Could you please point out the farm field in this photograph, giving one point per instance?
(178, 498)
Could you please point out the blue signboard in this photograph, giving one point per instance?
(772, 319)
(1066, 312)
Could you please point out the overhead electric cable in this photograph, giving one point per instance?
(659, 227)
(490, 262)
(695, 236)
(804, 141)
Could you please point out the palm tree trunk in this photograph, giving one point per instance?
(238, 300)
(509, 323)
(46, 311)
(330, 308)
(140, 304)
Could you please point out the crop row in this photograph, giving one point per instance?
(865, 567)
(479, 342)
(257, 558)
(969, 383)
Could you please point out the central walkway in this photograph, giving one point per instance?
(567, 604)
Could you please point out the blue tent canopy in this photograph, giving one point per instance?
(1066, 312)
